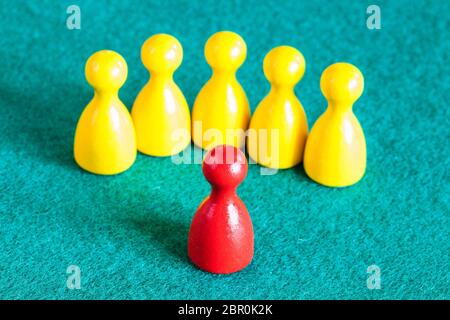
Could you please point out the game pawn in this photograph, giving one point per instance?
(105, 141)
(160, 113)
(221, 111)
(335, 152)
(278, 128)
(221, 234)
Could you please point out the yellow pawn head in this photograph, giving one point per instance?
(342, 83)
(161, 53)
(106, 70)
(284, 65)
(225, 50)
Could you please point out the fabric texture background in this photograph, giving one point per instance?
(128, 233)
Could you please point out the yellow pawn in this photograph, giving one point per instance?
(105, 141)
(221, 112)
(160, 112)
(335, 153)
(278, 128)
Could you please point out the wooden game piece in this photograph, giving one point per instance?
(335, 152)
(221, 112)
(221, 233)
(105, 141)
(278, 128)
(160, 112)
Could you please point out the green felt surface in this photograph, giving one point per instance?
(128, 233)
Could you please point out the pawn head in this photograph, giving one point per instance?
(342, 82)
(284, 65)
(161, 53)
(225, 50)
(105, 70)
(225, 166)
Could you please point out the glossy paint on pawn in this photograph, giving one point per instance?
(105, 141)
(278, 128)
(335, 152)
(160, 112)
(221, 111)
(221, 234)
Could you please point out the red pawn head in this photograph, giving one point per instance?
(221, 234)
(225, 167)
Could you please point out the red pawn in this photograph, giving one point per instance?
(221, 234)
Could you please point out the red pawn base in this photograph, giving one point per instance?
(221, 241)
